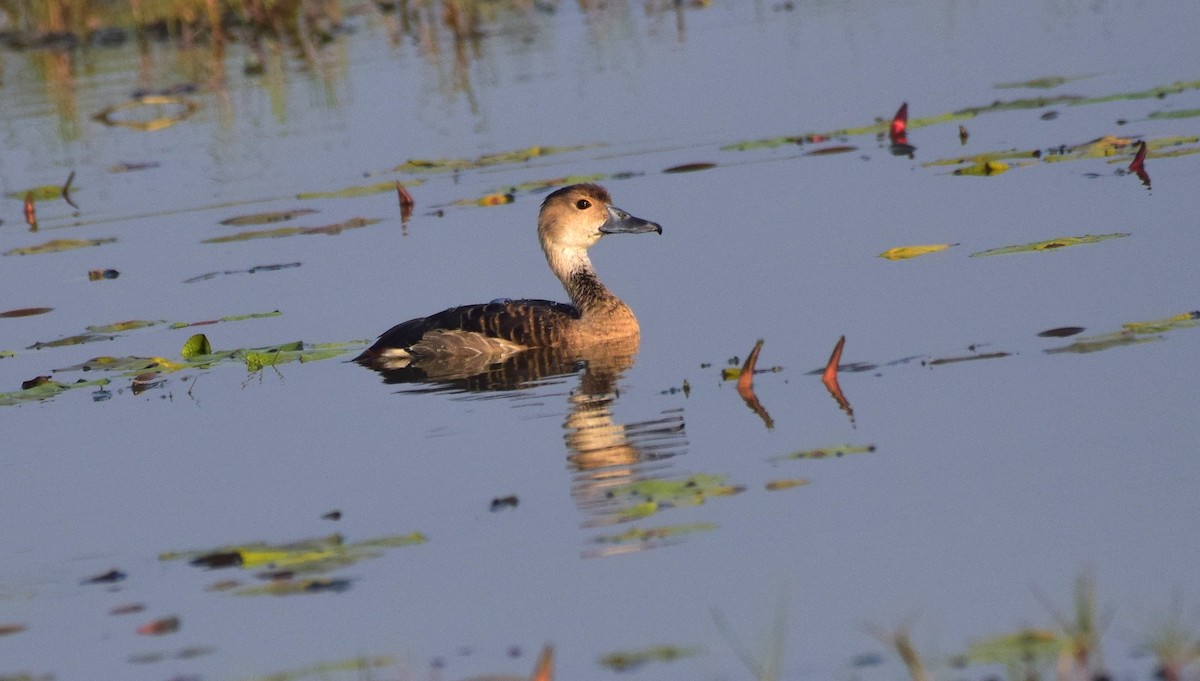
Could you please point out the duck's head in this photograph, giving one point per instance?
(575, 217)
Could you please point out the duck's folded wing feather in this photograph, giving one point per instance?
(510, 323)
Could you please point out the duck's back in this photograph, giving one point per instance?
(497, 327)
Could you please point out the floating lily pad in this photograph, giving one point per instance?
(628, 660)
(293, 587)
(1044, 83)
(44, 391)
(308, 556)
(196, 345)
(828, 452)
(905, 252)
(353, 223)
(1177, 113)
(267, 218)
(58, 245)
(791, 483)
(985, 169)
(227, 318)
(637, 534)
(645, 498)
(496, 199)
(359, 190)
(325, 670)
(24, 312)
(1051, 244)
(689, 167)
(46, 192)
(1184, 320)
(507, 157)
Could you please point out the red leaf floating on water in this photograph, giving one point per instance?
(899, 129)
(1138, 165)
(1139, 159)
(166, 625)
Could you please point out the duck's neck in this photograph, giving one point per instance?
(574, 269)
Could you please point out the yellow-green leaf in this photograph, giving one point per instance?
(1051, 244)
(829, 452)
(58, 245)
(196, 345)
(985, 169)
(625, 661)
(266, 218)
(905, 252)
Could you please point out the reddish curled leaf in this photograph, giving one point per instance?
(898, 132)
(30, 212)
(406, 202)
(1139, 159)
(158, 627)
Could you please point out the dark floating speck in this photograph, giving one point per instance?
(332, 515)
(1061, 332)
(689, 167)
(1049, 115)
(500, 503)
(112, 576)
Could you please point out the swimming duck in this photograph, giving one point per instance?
(570, 221)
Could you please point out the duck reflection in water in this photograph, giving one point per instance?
(508, 345)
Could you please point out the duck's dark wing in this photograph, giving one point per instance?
(490, 326)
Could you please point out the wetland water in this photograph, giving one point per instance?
(1034, 461)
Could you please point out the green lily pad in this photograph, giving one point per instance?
(503, 158)
(629, 660)
(637, 534)
(1051, 244)
(359, 190)
(196, 345)
(1171, 115)
(828, 452)
(308, 556)
(267, 218)
(59, 245)
(46, 192)
(329, 230)
(45, 390)
(326, 670)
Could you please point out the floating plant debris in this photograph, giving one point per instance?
(689, 167)
(329, 230)
(966, 358)
(112, 576)
(1061, 332)
(828, 452)
(158, 627)
(501, 503)
(253, 270)
(789, 483)
(308, 556)
(905, 252)
(507, 157)
(267, 218)
(1051, 244)
(629, 660)
(59, 245)
(24, 312)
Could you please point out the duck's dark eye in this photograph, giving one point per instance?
(583, 204)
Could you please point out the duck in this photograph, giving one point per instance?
(571, 220)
